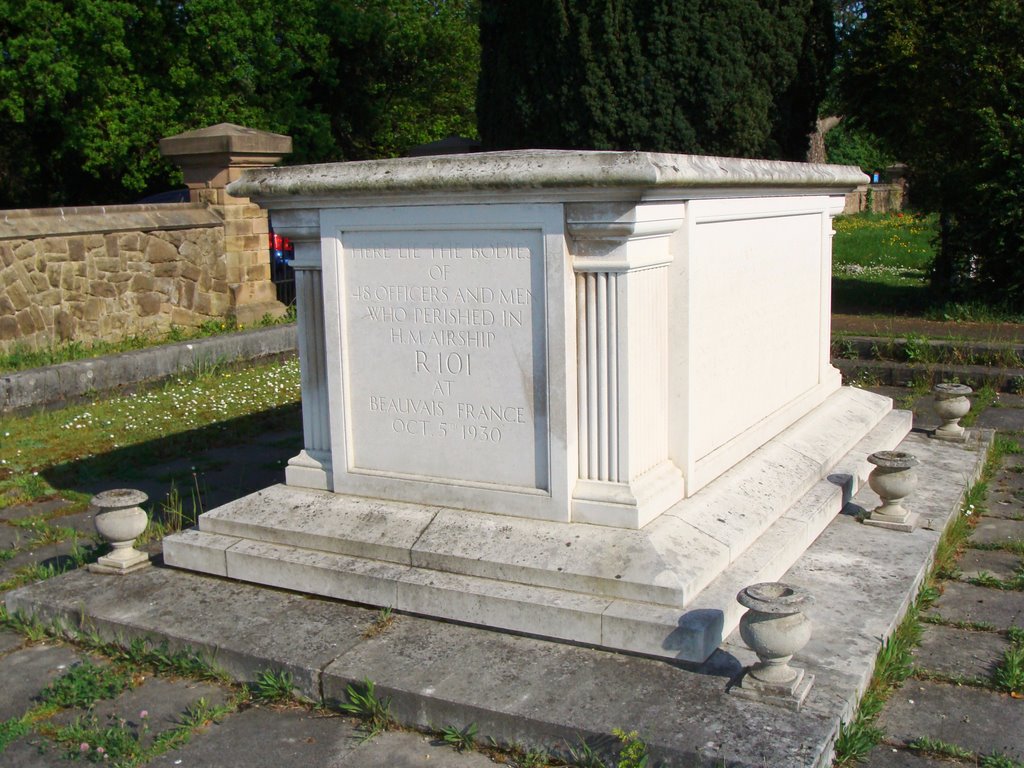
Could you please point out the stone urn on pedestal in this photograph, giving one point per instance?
(893, 479)
(775, 628)
(120, 520)
(951, 405)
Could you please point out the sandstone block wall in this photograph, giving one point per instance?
(878, 198)
(109, 272)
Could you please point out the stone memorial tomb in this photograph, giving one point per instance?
(580, 395)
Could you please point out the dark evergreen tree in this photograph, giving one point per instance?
(731, 77)
(942, 83)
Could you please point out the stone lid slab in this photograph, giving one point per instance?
(537, 169)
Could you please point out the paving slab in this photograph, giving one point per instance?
(997, 532)
(960, 654)
(27, 671)
(163, 700)
(979, 605)
(32, 751)
(10, 641)
(1002, 565)
(11, 536)
(406, 749)
(44, 508)
(886, 756)
(84, 523)
(1008, 505)
(972, 718)
(239, 628)
(1004, 419)
(264, 737)
(56, 555)
(526, 691)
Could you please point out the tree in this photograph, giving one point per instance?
(942, 84)
(742, 77)
(88, 87)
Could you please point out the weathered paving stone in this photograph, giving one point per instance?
(980, 605)
(56, 555)
(32, 751)
(27, 671)
(9, 640)
(164, 701)
(11, 536)
(264, 737)
(1003, 419)
(885, 756)
(973, 718)
(1001, 565)
(989, 531)
(959, 653)
(82, 522)
(44, 509)
(1005, 504)
(401, 749)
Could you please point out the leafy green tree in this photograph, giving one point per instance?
(848, 144)
(942, 83)
(88, 87)
(73, 107)
(739, 77)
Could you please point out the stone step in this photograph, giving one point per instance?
(616, 588)
(775, 551)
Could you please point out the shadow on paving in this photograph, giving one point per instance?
(207, 467)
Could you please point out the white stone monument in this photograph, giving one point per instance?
(584, 395)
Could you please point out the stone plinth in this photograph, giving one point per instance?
(543, 342)
(210, 158)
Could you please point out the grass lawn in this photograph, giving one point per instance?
(22, 357)
(51, 453)
(880, 263)
(880, 266)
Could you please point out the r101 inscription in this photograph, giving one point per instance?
(445, 358)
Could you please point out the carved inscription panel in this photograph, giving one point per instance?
(444, 353)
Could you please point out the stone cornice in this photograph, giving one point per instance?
(540, 169)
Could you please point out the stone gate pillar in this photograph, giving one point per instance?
(210, 159)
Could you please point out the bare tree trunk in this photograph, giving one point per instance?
(816, 152)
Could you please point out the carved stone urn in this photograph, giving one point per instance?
(120, 520)
(893, 479)
(951, 405)
(775, 628)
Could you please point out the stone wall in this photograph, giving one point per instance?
(107, 272)
(877, 198)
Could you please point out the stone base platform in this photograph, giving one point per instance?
(666, 590)
(539, 694)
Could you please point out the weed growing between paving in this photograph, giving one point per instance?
(85, 684)
(1009, 676)
(584, 756)
(364, 703)
(116, 742)
(274, 686)
(381, 623)
(942, 749)
(633, 753)
(460, 739)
